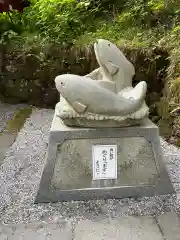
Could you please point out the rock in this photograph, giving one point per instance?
(172, 140)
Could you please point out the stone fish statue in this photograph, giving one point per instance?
(104, 97)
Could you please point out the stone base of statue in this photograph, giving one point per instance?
(73, 119)
(94, 163)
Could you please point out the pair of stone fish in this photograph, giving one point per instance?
(107, 90)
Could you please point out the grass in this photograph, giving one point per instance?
(132, 36)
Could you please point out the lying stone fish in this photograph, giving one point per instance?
(86, 95)
(114, 66)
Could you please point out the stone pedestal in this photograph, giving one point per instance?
(68, 173)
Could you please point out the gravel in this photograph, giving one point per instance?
(22, 168)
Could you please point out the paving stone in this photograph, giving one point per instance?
(170, 225)
(6, 113)
(126, 228)
(6, 140)
(38, 231)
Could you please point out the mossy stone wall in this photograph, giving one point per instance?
(28, 77)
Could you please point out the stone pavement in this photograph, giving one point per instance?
(164, 227)
(7, 113)
(18, 207)
(6, 140)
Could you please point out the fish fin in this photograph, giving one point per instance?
(136, 93)
(112, 68)
(94, 74)
(108, 85)
(139, 91)
(125, 91)
(79, 107)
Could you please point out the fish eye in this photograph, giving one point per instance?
(62, 84)
(109, 44)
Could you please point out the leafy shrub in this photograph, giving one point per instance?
(152, 12)
(63, 20)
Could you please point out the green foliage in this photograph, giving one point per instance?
(44, 33)
(62, 20)
(72, 21)
(150, 13)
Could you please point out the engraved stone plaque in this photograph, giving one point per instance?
(104, 161)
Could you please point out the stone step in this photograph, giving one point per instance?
(164, 227)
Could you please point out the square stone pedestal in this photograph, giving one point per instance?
(68, 171)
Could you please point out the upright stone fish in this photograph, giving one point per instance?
(114, 66)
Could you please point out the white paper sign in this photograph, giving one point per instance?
(104, 162)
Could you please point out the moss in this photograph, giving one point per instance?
(87, 171)
(126, 165)
(178, 142)
(163, 108)
(174, 92)
(165, 127)
(20, 116)
(166, 120)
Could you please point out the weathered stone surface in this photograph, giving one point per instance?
(74, 163)
(140, 169)
(7, 135)
(170, 225)
(166, 226)
(73, 119)
(104, 94)
(126, 228)
(6, 140)
(81, 122)
(36, 231)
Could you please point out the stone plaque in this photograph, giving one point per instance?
(104, 160)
